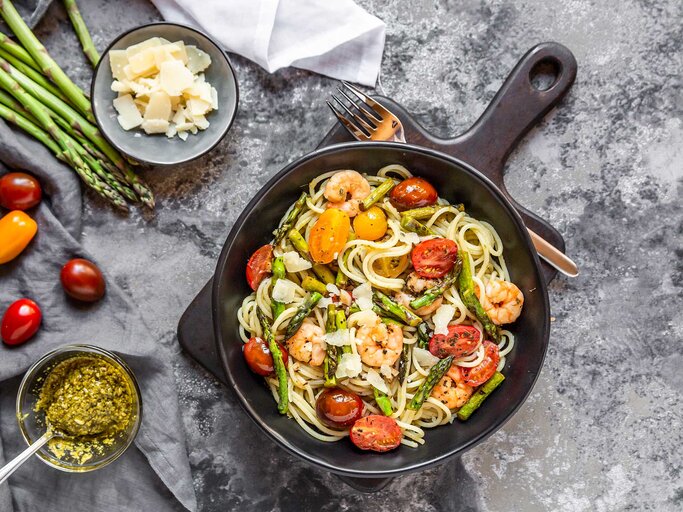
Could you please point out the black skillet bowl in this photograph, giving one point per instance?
(515, 109)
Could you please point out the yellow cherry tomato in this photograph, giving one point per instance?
(16, 231)
(391, 267)
(329, 235)
(370, 224)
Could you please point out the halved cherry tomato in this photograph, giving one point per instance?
(460, 341)
(258, 356)
(413, 193)
(259, 265)
(483, 371)
(370, 224)
(82, 280)
(16, 231)
(391, 267)
(434, 258)
(19, 191)
(20, 322)
(338, 408)
(328, 235)
(376, 433)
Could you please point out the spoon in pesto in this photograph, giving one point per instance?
(14, 464)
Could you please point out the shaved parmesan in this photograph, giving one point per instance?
(338, 338)
(159, 106)
(175, 77)
(385, 371)
(140, 47)
(182, 135)
(171, 132)
(129, 116)
(333, 289)
(349, 365)
(284, 291)
(323, 303)
(197, 60)
(117, 61)
(409, 238)
(155, 125)
(424, 358)
(143, 63)
(295, 263)
(200, 122)
(363, 296)
(441, 317)
(374, 378)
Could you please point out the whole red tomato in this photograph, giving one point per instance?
(413, 193)
(82, 280)
(20, 322)
(258, 356)
(19, 191)
(338, 408)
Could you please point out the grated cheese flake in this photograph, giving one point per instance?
(441, 317)
(294, 262)
(284, 291)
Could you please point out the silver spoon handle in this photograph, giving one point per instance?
(12, 465)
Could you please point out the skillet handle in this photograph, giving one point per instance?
(515, 109)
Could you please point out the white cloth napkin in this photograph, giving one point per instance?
(336, 38)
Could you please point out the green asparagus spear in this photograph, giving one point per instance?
(436, 372)
(341, 324)
(469, 298)
(403, 363)
(482, 393)
(324, 273)
(278, 363)
(17, 51)
(402, 313)
(330, 362)
(31, 73)
(279, 272)
(82, 32)
(437, 291)
(426, 212)
(423, 335)
(282, 231)
(377, 194)
(311, 284)
(301, 313)
(410, 224)
(391, 321)
(299, 243)
(383, 402)
(11, 116)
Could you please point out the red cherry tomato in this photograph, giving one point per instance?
(259, 266)
(338, 408)
(376, 433)
(460, 341)
(258, 356)
(82, 280)
(413, 193)
(483, 371)
(434, 258)
(19, 191)
(20, 322)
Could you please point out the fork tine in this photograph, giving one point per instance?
(372, 116)
(350, 127)
(367, 99)
(368, 127)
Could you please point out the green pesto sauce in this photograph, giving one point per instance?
(87, 396)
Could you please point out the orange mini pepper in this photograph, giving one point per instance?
(16, 231)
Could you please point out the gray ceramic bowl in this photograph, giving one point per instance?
(159, 149)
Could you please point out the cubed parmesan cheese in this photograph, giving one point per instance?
(441, 317)
(128, 117)
(197, 60)
(159, 106)
(117, 61)
(294, 262)
(155, 126)
(175, 77)
(349, 365)
(363, 296)
(284, 291)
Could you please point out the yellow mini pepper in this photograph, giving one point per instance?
(16, 231)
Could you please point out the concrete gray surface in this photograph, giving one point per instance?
(602, 429)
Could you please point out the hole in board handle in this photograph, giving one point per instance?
(545, 73)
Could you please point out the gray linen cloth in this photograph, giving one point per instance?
(156, 468)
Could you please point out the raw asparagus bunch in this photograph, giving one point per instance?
(38, 97)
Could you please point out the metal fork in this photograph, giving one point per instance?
(366, 119)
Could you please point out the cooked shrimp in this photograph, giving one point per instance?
(378, 344)
(417, 284)
(404, 299)
(345, 190)
(502, 301)
(451, 390)
(308, 344)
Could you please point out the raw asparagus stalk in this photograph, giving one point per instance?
(481, 394)
(437, 291)
(324, 273)
(330, 362)
(403, 363)
(17, 51)
(40, 54)
(469, 298)
(311, 284)
(341, 324)
(410, 224)
(291, 218)
(279, 272)
(301, 313)
(299, 243)
(31, 73)
(82, 32)
(402, 313)
(11, 116)
(377, 194)
(278, 363)
(383, 402)
(436, 372)
(423, 335)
